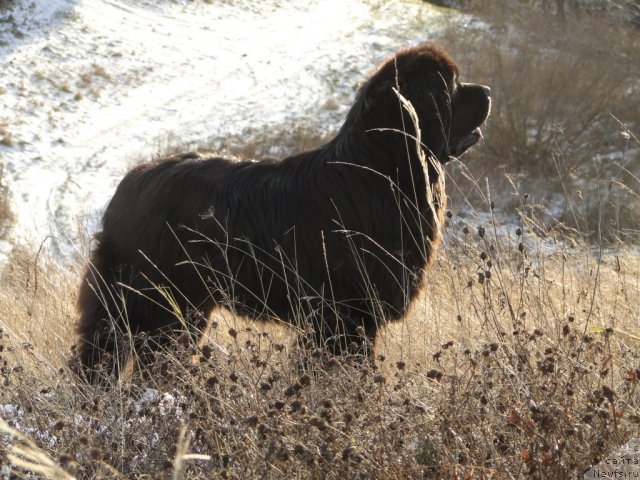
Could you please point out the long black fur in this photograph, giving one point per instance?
(335, 239)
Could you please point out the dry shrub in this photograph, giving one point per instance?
(522, 359)
(274, 141)
(563, 109)
(278, 141)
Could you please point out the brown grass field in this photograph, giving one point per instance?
(521, 358)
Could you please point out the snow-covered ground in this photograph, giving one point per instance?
(88, 87)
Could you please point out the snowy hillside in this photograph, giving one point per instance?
(88, 87)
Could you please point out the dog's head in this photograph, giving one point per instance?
(449, 112)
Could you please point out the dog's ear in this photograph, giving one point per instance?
(428, 94)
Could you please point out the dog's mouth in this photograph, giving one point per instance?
(458, 146)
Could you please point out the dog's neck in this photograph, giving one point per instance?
(389, 151)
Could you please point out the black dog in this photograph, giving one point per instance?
(334, 240)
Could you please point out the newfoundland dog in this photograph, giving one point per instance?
(333, 241)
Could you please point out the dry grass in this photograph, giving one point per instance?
(276, 141)
(521, 359)
(562, 113)
(6, 215)
(6, 137)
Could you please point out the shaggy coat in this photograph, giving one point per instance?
(334, 240)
